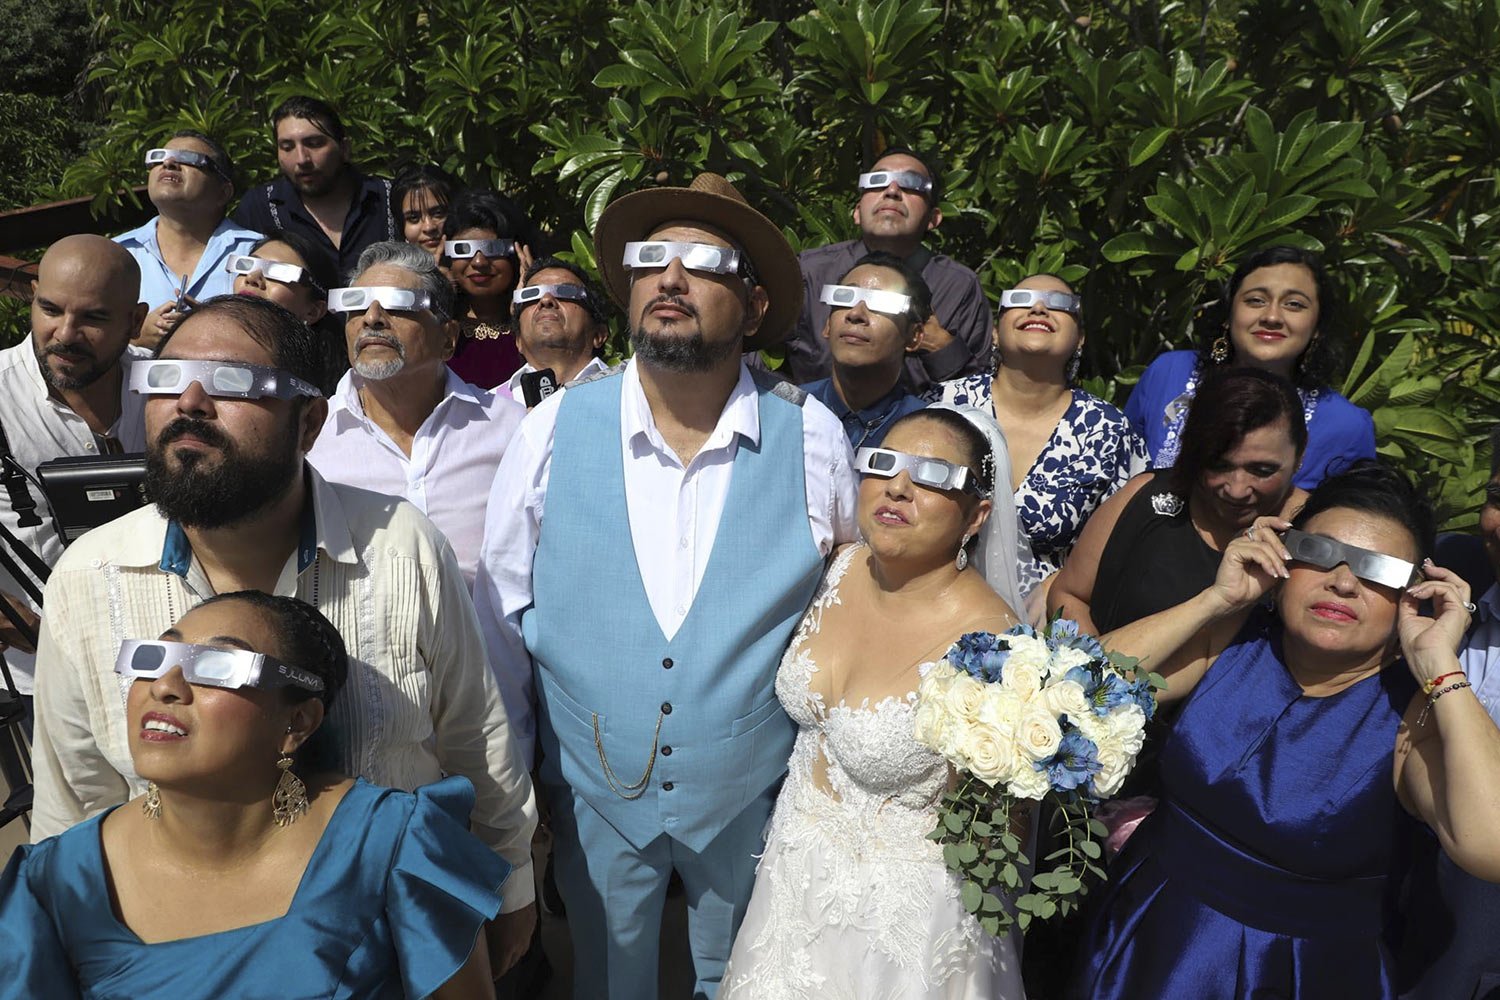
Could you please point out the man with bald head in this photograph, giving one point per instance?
(62, 391)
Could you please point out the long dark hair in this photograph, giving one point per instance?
(1322, 359)
(1229, 405)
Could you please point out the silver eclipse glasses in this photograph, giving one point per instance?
(906, 180)
(875, 299)
(148, 659)
(464, 249)
(186, 157)
(274, 270)
(533, 293)
(1326, 553)
(223, 379)
(931, 472)
(1025, 298)
(694, 256)
(352, 300)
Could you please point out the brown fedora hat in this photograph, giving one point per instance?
(715, 202)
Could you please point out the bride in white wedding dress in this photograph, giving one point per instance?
(851, 900)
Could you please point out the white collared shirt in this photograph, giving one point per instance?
(419, 702)
(40, 427)
(453, 458)
(513, 386)
(673, 511)
(159, 284)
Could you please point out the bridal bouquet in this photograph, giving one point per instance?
(1030, 717)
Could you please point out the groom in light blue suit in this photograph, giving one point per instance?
(653, 537)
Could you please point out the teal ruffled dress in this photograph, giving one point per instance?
(392, 901)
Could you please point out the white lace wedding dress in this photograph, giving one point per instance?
(851, 900)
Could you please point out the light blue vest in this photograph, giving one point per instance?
(617, 699)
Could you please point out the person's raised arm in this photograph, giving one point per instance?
(1181, 642)
(1448, 758)
(1071, 592)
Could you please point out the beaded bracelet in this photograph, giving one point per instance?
(1432, 699)
(1433, 684)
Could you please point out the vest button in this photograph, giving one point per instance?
(667, 663)
(666, 751)
(666, 708)
(667, 786)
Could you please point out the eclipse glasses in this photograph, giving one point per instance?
(187, 157)
(694, 256)
(352, 300)
(533, 293)
(875, 299)
(906, 180)
(1025, 298)
(223, 379)
(148, 659)
(930, 472)
(1326, 553)
(464, 249)
(274, 270)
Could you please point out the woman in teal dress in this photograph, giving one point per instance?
(232, 876)
(1316, 734)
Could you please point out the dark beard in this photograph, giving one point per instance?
(234, 490)
(69, 383)
(679, 354)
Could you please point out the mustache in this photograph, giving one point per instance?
(675, 301)
(366, 339)
(69, 351)
(200, 429)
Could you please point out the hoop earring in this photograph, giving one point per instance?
(1219, 353)
(962, 562)
(151, 804)
(290, 799)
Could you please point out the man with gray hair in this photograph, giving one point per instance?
(400, 422)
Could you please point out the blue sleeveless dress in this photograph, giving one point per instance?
(1264, 871)
(393, 898)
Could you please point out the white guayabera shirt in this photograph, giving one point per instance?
(420, 701)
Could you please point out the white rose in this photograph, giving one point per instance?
(1127, 730)
(1094, 727)
(1063, 697)
(929, 726)
(1066, 659)
(1113, 767)
(1002, 709)
(964, 697)
(1022, 677)
(1039, 734)
(1026, 782)
(987, 753)
(1028, 650)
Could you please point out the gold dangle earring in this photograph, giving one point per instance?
(151, 804)
(1219, 352)
(290, 798)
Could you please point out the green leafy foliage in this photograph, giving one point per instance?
(1140, 148)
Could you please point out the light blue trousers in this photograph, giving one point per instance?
(614, 895)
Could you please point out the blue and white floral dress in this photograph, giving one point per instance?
(1092, 452)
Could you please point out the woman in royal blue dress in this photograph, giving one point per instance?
(1070, 449)
(1279, 314)
(1315, 735)
(232, 877)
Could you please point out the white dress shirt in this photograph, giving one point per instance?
(419, 702)
(453, 458)
(673, 512)
(513, 386)
(40, 427)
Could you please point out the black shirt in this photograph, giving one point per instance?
(278, 205)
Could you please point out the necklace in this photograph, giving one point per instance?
(485, 331)
(1176, 413)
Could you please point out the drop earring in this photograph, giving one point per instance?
(1219, 353)
(1073, 363)
(962, 562)
(151, 804)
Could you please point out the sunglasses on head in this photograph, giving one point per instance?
(1025, 298)
(223, 379)
(906, 180)
(930, 472)
(186, 157)
(875, 299)
(533, 293)
(1326, 553)
(148, 659)
(464, 249)
(273, 270)
(353, 300)
(694, 256)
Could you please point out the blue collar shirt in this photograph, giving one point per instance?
(159, 284)
(866, 428)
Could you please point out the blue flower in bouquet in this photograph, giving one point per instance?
(1105, 690)
(981, 655)
(1064, 633)
(1076, 761)
(1142, 694)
